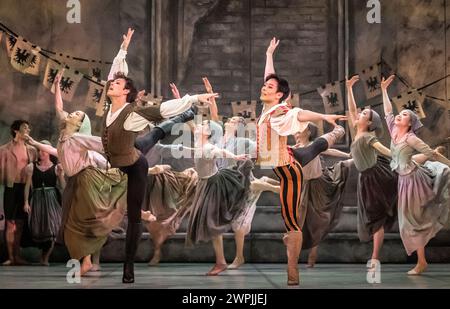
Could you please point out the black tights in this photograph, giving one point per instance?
(306, 154)
(137, 186)
(146, 142)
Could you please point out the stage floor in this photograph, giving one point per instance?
(250, 276)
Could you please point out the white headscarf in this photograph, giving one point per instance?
(85, 127)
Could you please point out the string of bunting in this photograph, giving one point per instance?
(10, 32)
(11, 41)
(25, 58)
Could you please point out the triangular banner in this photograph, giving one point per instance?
(69, 84)
(33, 68)
(371, 80)
(412, 100)
(21, 55)
(150, 99)
(332, 97)
(51, 71)
(245, 109)
(94, 95)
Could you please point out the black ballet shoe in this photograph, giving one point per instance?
(128, 273)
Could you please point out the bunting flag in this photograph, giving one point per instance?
(245, 109)
(371, 78)
(151, 99)
(69, 84)
(332, 98)
(51, 71)
(412, 100)
(69, 80)
(94, 94)
(23, 55)
(94, 72)
(91, 69)
(10, 42)
(35, 63)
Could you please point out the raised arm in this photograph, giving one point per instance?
(305, 116)
(288, 121)
(43, 147)
(119, 63)
(352, 109)
(59, 103)
(143, 116)
(213, 106)
(386, 101)
(270, 68)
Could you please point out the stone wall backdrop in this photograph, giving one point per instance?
(98, 36)
(226, 40)
(412, 39)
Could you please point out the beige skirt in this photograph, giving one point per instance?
(94, 202)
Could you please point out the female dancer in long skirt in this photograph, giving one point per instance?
(46, 180)
(423, 193)
(323, 189)
(377, 184)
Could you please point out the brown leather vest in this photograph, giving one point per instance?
(119, 143)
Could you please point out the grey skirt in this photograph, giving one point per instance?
(322, 203)
(218, 200)
(45, 217)
(377, 199)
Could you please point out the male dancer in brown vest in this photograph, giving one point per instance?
(122, 122)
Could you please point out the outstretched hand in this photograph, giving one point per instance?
(331, 119)
(175, 92)
(352, 81)
(385, 83)
(205, 98)
(273, 46)
(127, 39)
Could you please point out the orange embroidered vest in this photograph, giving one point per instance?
(272, 149)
